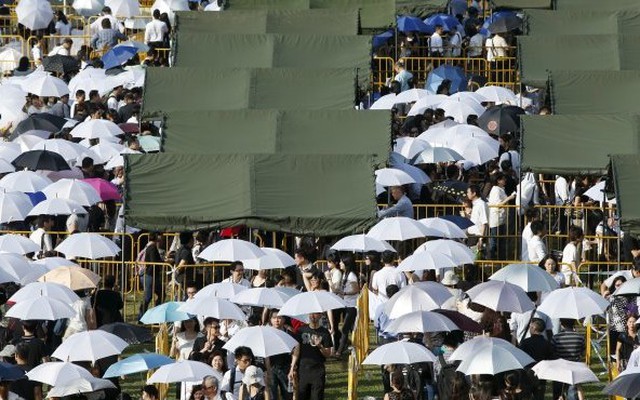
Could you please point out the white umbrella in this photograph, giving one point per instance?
(426, 260)
(41, 308)
(498, 95)
(470, 347)
(105, 151)
(9, 150)
(409, 147)
(68, 150)
(392, 177)
(573, 303)
(58, 373)
(630, 287)
(117, 161)
(401, 352)
(169, 6)
(6, 167)
(264, 341)
(14, 267)
(28, 141)
(492, 359)
(13, 96)
(361, 243)
(501, 296)
(478, 149)
(418, 175)
(96, 129)
(91, 79)
(311, 302)
(55, 262)
(457, 133)
(183, 371)
(57, 207)
(426, 102)
(24, 181)
(458, 251)
(45, 289)
(88, 245)
(87, 8)
(385, 102)
(274, 259)
(123, 8)
(83, 385)
(224, 290)
(529, 277)
(89, 346)
(627, 384)
(17, 244)
(34, 14)
(264, 297)
(436, 154)
(73, 189)
(14, 206)
(468, 97)
(420, 322)
(135, 23)
(213, 307)
(398, 228)
(9, 58)
(35, 272)
(596, 192)
(412, 95)
(412, 298)
(560, 370)
(231, 250)
(45, 86)
(446, 229)
(460, 110)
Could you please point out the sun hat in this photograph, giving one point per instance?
(450, 278)
(253, 375)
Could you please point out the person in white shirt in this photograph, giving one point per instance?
(508, 143)
(106, 14)
(232, 379)
(64, 49)
(455, 42)
(387, 275)
(562, 190)
(536, 248)
(436, 45)
(479, 215)
(155, 30)
(530, 215)
(211, 388)
(498, 216)
(237, 275)
(497, 47)
(40, 235)
(63, 27)
(572, 255)
(476, 43)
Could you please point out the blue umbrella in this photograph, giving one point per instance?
(118, 56)
(496, 16)
(407, 23)
(462, 222)
(454, 74)
(448, 22)
(36, 197)
(166, 312)
(379, 40)
(10, 372)
(137, 363)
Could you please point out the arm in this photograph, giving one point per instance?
(94, 40)
(618, 351)
(146, 35)
(295, 357)
(37, 392)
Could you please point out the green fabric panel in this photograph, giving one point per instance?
(419, 8)
(571, 22)
(220, 51)
(286, 132)
(624, 168)
(315, 51)
(628, 46)
(577, 144)
(539, 54)
(629, 21)
(269, 4)
(522, 4)
(229, 21)
(175, 192)
(595, 92)
(187, 88)
(596, 4)
(373, 13)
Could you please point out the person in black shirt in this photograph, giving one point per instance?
(108, 303)
(308, 360)
(151, 274)
(25, 388)
(280, 364)
(37, 349)
(538, 348)
(183, 258)
(205, 345)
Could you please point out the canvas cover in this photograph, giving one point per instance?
(218, 50)
(186, 88)
(582, 22)
(289, 193)
(595, 4)
(420, 8)
(275, 131)
(624, 170)
(522, 4)
(594, 92)
(313, 22)
(577, 144)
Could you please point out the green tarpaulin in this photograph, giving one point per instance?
(595, 4)
(313, 22)
(539, 54)
(300, 194)
(595, 92)
(582, 22)
(269, 4)
(221, 51)
(286, 132)
(183, 88)
(577, 144)
(624, 169)
(521, 4)
(420, 8)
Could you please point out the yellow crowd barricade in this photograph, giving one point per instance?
(360, 342)
(382, 70)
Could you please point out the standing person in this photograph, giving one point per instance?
(399, 390)
(349, 290)
(154, 31)
(402, 208)
(151, 274)
(536, 249)
(498, 217)
(40, 235)
(550, 264)
(309, 357)
(538, 347)
(37, 352)
(62, 27)
(572, 255)
(302, 257)
(530, 215)
(108, 303)
(479, 216)
(181, 349)
(232, 379)
(150, 392)
(85, 317)
(436, 44)
(388, 275)
(279, 365)
(184, 257)
(25, 388)
(571, 346)
(253, 385)
(626, 343)
(210, 342)
(107, 37)
(403, 77)
(237, 275)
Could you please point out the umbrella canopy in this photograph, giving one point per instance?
(461, 222)
(68, 150)
(41, 308)
(131, 334)
(118, 56)
(57, 207)
(231, 250)
(34, 14)
(311, 302)
(84, 385)
(106, 190)
(17, 244)
(14, 206)
(412, 298)
(9, 151)
(28, 140)
(138, 45)
(422, 104)
(223, 290)
(165, 312)
(409, 147)
(381, 39)
(461, 110)
(183, 371)
(446, 229)
(264, 341)
(385, 102)
(501, 119)
(501, 296)
(45, 289)
(468, 97)
(573, 303)
(529, 277)
(393, 177)
(54, 262)
(421, 321)
(58, 373)
(41, 160)
(504, 22)
(9, 59)
(361, 243)
(264, 297)
(449, 136)
(629, 288)
(73, 189)
(492, 359)
(627, 384)
(123, 8)
(75, 278)
(6, 167)
(10, 372)
(61, 64)
(401, 352)
(426, 260)
(213, 307)
(460, 253)
(479, 150)
(45, 86)
(454, 74)
(14, 267)
(87, 8)
(96, 129)
(33, 122)
(398, 228)
(24, 181)
(137, 363)
(169, 6)
(149, 143)
(89, 346)
(498, 95)
(463, 322)
(274, 259)
(560, 370)
(407, 23)
(436, 154)
(412, 95)
(88, 245)
(448, 22)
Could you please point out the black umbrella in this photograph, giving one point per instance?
(61, 64)
(462, 321)
(505, 23)
(500, 119)
(35, 160)
(42, 122)
(131, 334)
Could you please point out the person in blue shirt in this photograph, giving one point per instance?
(403, 206)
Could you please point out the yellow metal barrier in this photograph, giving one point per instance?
(383, 70)
(360, 341)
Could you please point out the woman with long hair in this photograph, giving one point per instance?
(349, 290)
(550, 264)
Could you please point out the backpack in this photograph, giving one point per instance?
(141, 268)
(445, 378)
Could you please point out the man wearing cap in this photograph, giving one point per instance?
(450, 280)
(309, 357)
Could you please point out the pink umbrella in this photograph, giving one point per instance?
(106, 189)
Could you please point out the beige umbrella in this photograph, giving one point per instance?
(75, 278)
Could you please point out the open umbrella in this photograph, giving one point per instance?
(501, 296)
(131, 334)
(87, 8)
(479, 150)
(14, 206)
(560, 370)
(45, 86)
(274, 259)
(461, 110)
(79, 386)
(24, 181)
(89, 346)
(36, 122)
(573, 303)
(361, 243)
(446, 229)
(73, 189)
(448, 136)
(137, 363)
(34, 14)
(57, 207)
(118, 56)
(412, 298)
(626, 385)
(213, 307)
(401, 352)
(46, 289)
(385, 102)
(55, 262)
(420, 322)
(223, 290)
(14, 267)
(264, 297)
(17, 244)
(426, 260)
(436, 154)
(448, 22)
(460, 253)
(231, 250)
(40, 160)
(498, 95)
(409, 147)
(68, 150)
(264, 341)
(41, 308)
(407, 23)
(422, 104)
(529, 277)
(398, 228)
(461, 222)
(169, 6)
(183, 371)
(504, 22)
(96, 129)
(75, 278)
(61, 64)
(311, 302)
(463, 322)
(501, 119)
(58, 373)
(393, 177)
(165, 312)
(88, 245)
(123, 8)
(454, 74)
(381, 39)
(9, 59)
(492, 359)
(106, 190)
(629, 288)
(412, 95)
